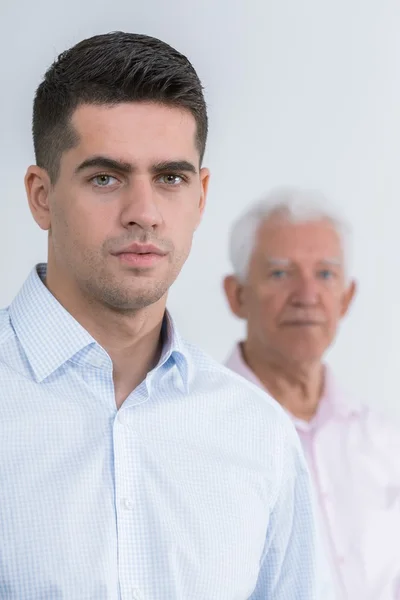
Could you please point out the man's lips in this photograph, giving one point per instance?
(301, 322)
(137, 248)
(140, 255)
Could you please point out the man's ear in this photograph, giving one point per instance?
(348, 298)
(204, 181)
(234, 293)
(37, 186)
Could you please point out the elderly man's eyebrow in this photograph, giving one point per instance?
(278, 262)
(336, 262)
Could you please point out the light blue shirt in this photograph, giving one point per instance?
(195, 489)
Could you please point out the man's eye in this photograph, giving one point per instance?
(278, 274)
(103, 180)
(325, 274)
(171, 179)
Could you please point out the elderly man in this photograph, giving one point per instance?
(291, 284)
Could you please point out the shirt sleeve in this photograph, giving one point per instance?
(288, 564)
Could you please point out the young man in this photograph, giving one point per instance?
(132, 465)
(291, 284)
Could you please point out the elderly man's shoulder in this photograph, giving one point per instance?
(364, 420)
(376, 433)
(380, 426)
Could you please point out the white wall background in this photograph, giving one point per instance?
(301, 93)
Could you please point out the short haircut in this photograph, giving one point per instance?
(110, 69)
(292, 204)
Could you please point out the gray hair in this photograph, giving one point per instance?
(295, 205)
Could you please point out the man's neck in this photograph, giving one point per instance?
(297, 387)
(134, 345)
(131, 339)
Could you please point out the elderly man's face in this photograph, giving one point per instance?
(295, 293)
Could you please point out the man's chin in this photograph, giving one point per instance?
(132, 298)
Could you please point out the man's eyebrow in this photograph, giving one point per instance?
(174, 166)
(103, 162)
(324, 261)
(333, 262)
(278, 262)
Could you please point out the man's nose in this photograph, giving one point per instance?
(306, 291)
(141, 206)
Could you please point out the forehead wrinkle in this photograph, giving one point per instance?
(277, 261)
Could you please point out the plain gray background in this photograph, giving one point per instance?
(304, 93)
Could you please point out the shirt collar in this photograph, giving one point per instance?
(334, 402)
(50, 336)
(175, 350)
(342, 403)
(237, 363)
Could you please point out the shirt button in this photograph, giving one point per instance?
(127, 503)
(136, 595)
(97, 361)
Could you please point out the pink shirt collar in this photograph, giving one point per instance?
(335, 402)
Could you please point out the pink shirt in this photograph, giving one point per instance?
(354, 458)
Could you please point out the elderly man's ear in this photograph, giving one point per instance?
(234, 292)
(348, 298)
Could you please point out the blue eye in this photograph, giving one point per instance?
(278, 274)
(103, 180)
(325, 274)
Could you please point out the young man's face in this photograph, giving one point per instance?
(128, 198)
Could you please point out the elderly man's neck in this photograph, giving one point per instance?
(297, 386)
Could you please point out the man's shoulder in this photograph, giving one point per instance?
(371, 422)
(236, 389)
(247, 414)
(377, 436)
(380, 425)
(207, 365)
(382, 441)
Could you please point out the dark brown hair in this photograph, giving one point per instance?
(110, 69)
